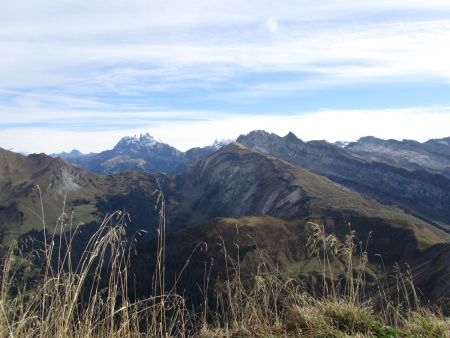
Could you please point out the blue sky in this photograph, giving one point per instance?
(83, 74)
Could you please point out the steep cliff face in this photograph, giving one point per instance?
(420, 192)
(433, 155)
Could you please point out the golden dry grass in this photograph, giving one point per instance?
(41, 296)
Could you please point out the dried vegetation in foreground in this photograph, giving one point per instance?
(47, 293)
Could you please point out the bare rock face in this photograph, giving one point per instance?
(433, 155)
(235, 182)
(420, 191)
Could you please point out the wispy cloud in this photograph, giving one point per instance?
(117, 65)
(165, 44)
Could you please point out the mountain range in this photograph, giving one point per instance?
(418, 191)
(264, 187)
(408, 174)
(144, 154)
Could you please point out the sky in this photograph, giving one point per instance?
(83, 74)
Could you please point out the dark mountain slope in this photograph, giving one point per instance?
(66, 188)
(277, 245)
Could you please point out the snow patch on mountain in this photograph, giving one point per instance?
(342, 144)
(221, 143)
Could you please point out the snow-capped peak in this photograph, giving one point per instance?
(129, 140)
(144, 141)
